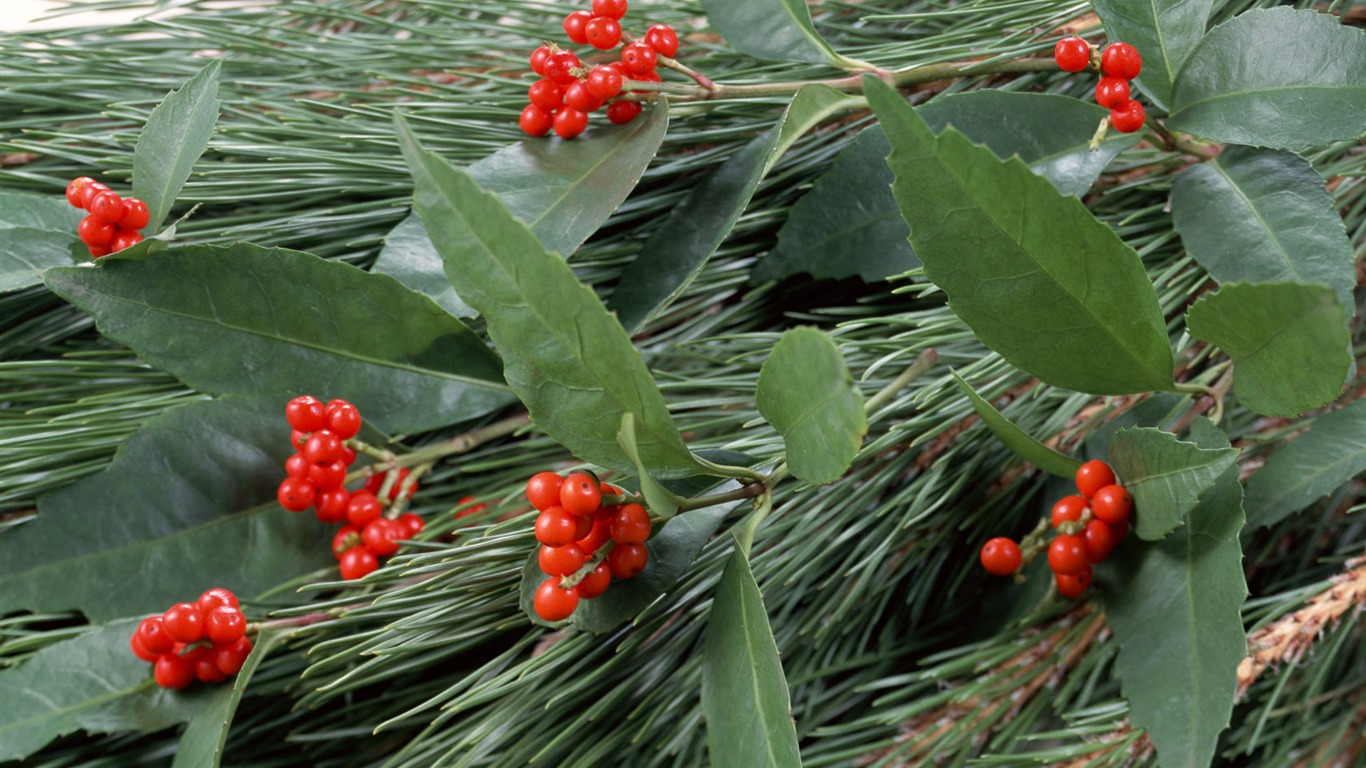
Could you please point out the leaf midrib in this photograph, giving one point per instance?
(753, 657)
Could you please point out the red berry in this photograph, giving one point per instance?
(546, 95)
(555, 527)
(622, 112)
(135, 214)
(357, 562)
(343, 419)
(1068, 509)
(76, 189)
(1073, 585)
(89, 191)
(173, 671)
(560, 561)
(296, 494)
(639, 59)
(543, 490)
(382, 536)
(98, 251)
(123, 239)
(363, 509)
(631, 525)
(627, 560)
(208, 672)
(538, 59)
(1112, 504)
(1072, 54)
(95, 233)
(1067, 554)
(584, 525)
(600, 534)
(297, 439)
(603, 32)
(535, 121)
(297, 466)
(596, 582)
(322, 447)
(1112, 92)
(581, 494)
(1092, 476)
(140, 650)
(1128, 117)
(611, 8)
(412, 524)
(224, 624)
(231, 658)
(107, 207)
(576, 96)
(574, 25)
(376, 483)
(552, 603)
(153, 636)
(560, 67)
(663, 39)
(327, 477)
(1121, 60)
(348, 536)
(468, 507)
(603, 82)
(570, 122)
(348, 455)
(1099, 539)
(1001, 556)
(331, 505)
(212, 598)
(1120, 530)
(183, 623)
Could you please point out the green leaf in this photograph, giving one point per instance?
(1034, 275)
(745, 697)
(1017, 440)
(563, 191)
(1175, 608)
(567, 359)
(91, 682)
(25, 254)
(243, 319)
(187, 504)
(1165, 476)
(676, 251)
(1263, 216)
(171, 142)
(661, 500)
(1309, 467)
(1164, 32)
(773, 30)
(806, 393)
(1274, 77)
(201, 746)
(46, 212)
(1291, 351)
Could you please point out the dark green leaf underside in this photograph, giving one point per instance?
(1309, 467)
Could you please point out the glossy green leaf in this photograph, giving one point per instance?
(1263, 216)
(1165, 476)
(659, 499)
(201, 746)
(675, 253)
(1181, 635)
(1164, 32)
(187, 504)
(25, 254)
(745, 697)
(171, 142)
(1309, 467)
(563, 354)
(1275, 77)
(243, 319)
(47, 212)
(91, 682)
(563, 191)
(773, 30)
(1291, 351)
(806, 392)
(1035, 276)
(1020, 443)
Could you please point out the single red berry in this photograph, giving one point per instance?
(98, 251)
(1112, 92)
(1073, 585)
(603, 32)
(173, 671)
(107, 206)
(348, 536)
(1072, 54)
(552, 603)
(560, 67)
(95, 233)
(1067, 554)
(322, 447)
(135, 214)
(543, 490)
(560, 561)
(1128, 117)
(357, 562)
(1112, 504)
(1092, 476)
(89, 191)
(296, 494)
(574, 25)
(382, 536)
(581, 494)
(224, 624)
(576, 96)
(1121, 60)
(622, 112)
(231, 658)
(139, 650)
(631, 525)
(603, 82)
(627, 560)
(1099, 539)
(639, 59)
(584, 526)
(546, 95)
(1000, 556)
(663, 39)
(600, 534)
(153, 636)
(297, 439)
(343, 420)
(348, 455)
(1068, 509)
(538, 59)
(412, 524)
(468, 507)
(327, 477)
(330, 506)
(297, 466)
(213, 598)
(1120, 530)
(376, 483)
(555, 527)
(183, 623)
(207, 671)
(535, 121)
(570, 122)
(596, 582)
(76, 189)
(124, 239)
(363, 509)
(611, 8)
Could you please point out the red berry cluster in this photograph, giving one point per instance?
(1089, 526)
(315, 477)
(1119, 63)
(113, 222)
(569, 93)
(582, 541)
(205, 640)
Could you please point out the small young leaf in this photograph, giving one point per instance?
(1275, 77)
(201, 746)
(187, 504)
(773, 30)
(1263, 216)
(660, 500)
(1290, 349)
(25, 254)
(567, 359)
(806, 393)
(1017, 440)
(1165, 476)
(745, 697)
(171, 142)
(91, 682)
(242, 319)
(1164, 32)
(675, 253)
(1035, 276)
(1309, 467)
